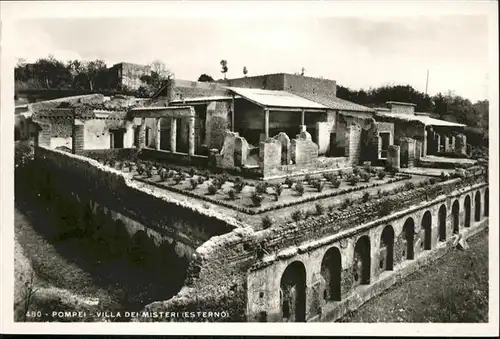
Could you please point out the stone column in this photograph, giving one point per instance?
(142, 134)
(44, 135)
(437, 137)
(266, 123)
(452, 143)
(191, 135)
(158, 133)
(173, 134)
(446, 144)
(232, 114)
(424, 143)
(78, 137)
(461, 144)
(303, 117)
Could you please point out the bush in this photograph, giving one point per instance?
(238, 186)
(340, 173)
(212, 189)
(297, 215)
(140, 169)
(177, 179)
(200, 180)
(266, 222)
(163, 174)
(261, 188)
(194, 183)
(352, 179)
(278, 189)
(308, 178)
(149, 172)
(232, 194)
(318, 185)
(257, 199)
(381, 174)
(409, 186)
(366, 197)
(346, 203)
(385, 208)
(191, 172)
(355, 171)
(365, 176)
(432, 181)
(289, 182)
(335, 182)
(299, 188)
(320, 209)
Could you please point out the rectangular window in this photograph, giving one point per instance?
(116, 139)
(385, 140)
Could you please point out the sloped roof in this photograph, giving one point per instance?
(334, 102)
(269, 98)
(424, 119)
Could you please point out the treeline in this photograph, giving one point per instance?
(447, 106)
(83, 76)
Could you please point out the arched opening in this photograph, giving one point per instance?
(427, 227)
(455, 212)
(293, 293)
(467, 207)
(387, 249)
(362, 261)
(139, 250)
(486, 202)
(442, 223)
(331, 270)
(409, 236)
(477, 206)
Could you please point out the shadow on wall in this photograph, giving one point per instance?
(132, 268)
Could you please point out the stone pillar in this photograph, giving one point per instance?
(303, 117)
(44, 134)
(437, 137)
(142, 134)
(461, 144)
(158, 133)
(446, 144)
(266, 123)
(452, 143)
(78, 140)
(232, 114)
(424, 144)
(191, 141)
(173, 134)
(393, 157)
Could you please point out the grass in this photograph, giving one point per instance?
(452, 289)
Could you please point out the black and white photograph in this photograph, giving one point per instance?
(223, 162)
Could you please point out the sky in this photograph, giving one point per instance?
(356, 52)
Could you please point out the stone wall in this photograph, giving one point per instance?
(89, 179)
(217, 124)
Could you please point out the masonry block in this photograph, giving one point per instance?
(78, 139)
(286, 157)
(393, 157)
(461, 144)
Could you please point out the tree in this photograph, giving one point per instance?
(302, 71)
(205, 78)
(245, 70)
(224, 70)
(161, 70)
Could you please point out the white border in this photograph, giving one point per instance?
(11, 11)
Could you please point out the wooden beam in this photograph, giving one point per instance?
(266, 123)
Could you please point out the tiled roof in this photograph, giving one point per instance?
(275, 98)
(334, 102)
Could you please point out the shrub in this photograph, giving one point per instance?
(335, 182)
(340, 173)
(200, 180)
(149, 172)
(266, 222)
(297, 215)
(232, 194)
(140, 169)
(212, 189)
(381, 174)
(318, 185)
(308, 178)
(366, 197)
(346, 203)
(299, 188)
(432, 181)
(163, 174)
(365, 176)
(289, 182)
(257, 199)
(379, 192)
(320, 209)
(328, 176)
(356, 171)
(409, 186)
(191, 172)
(194, 183)
(238, 186)
(261, 188)
(278, 189)
(177, 179)
(352, 179)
